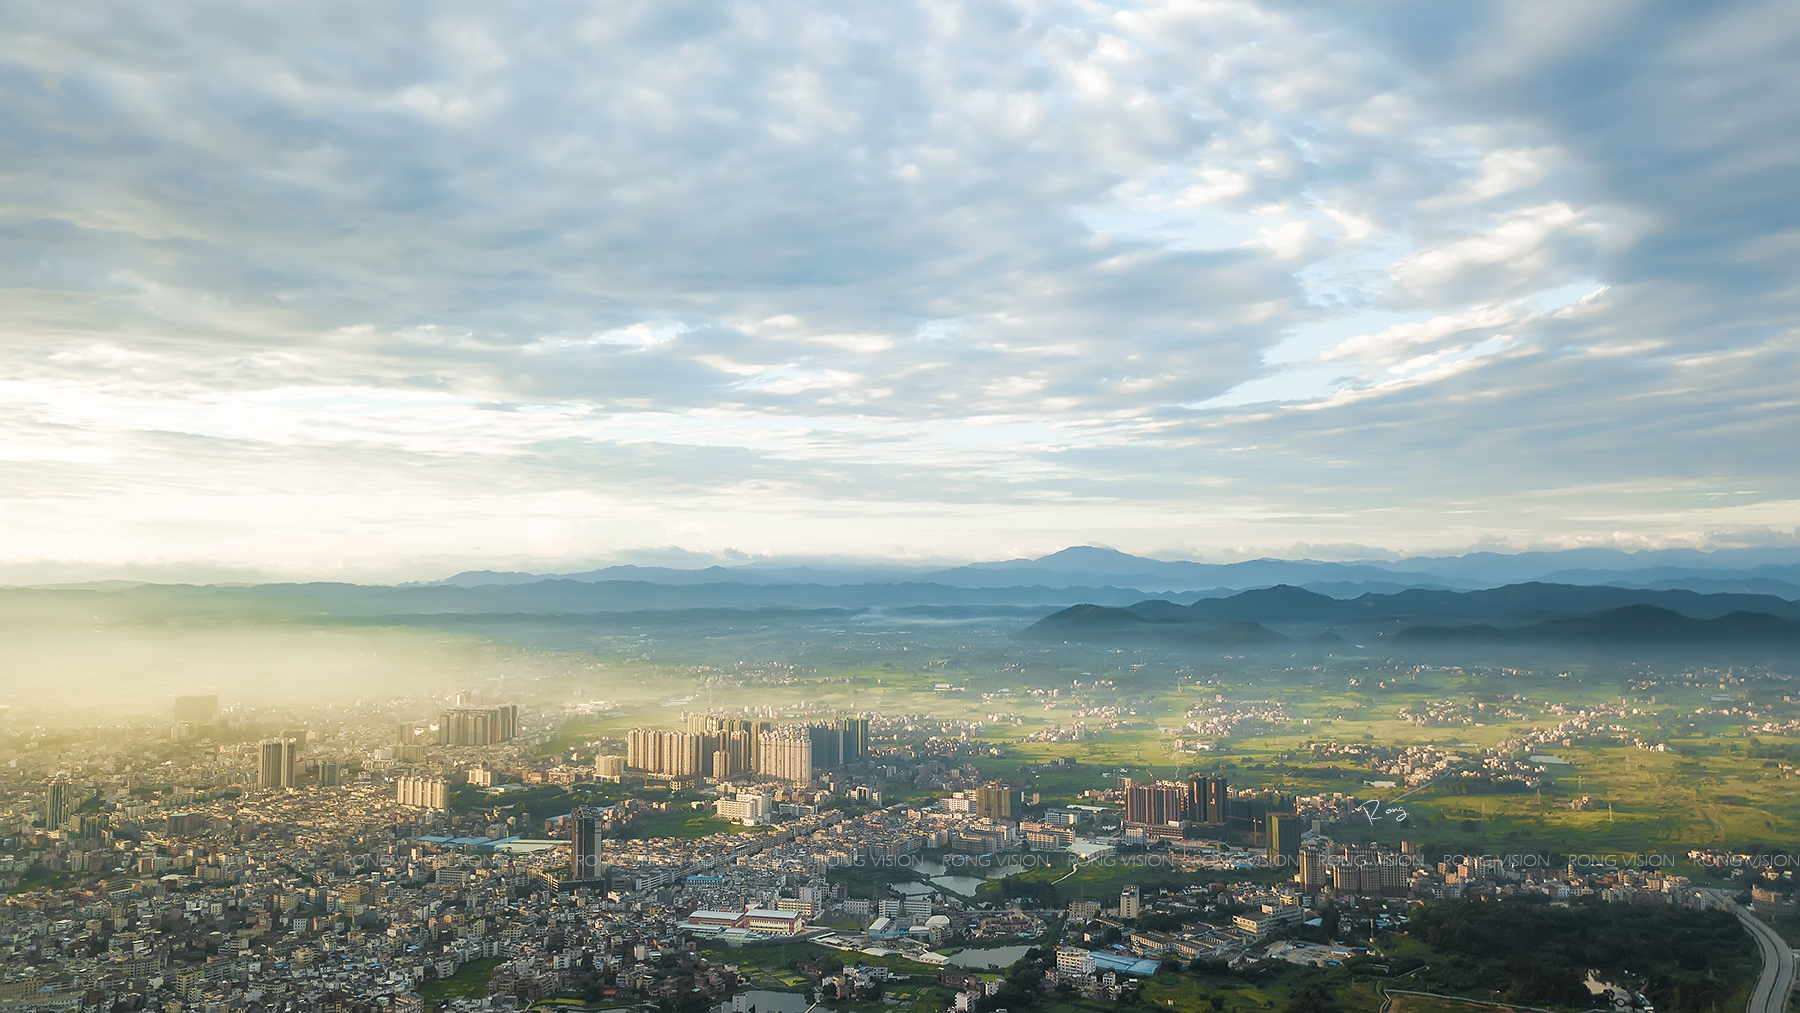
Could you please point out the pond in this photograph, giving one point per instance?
(989, 959)
(964, 885)
(983, 865)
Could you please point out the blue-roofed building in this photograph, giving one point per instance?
(1123, 964)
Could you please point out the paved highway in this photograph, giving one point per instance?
(1771, 995)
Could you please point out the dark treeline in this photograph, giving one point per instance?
(1693, 961)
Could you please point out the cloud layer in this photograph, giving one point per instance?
(374, 292)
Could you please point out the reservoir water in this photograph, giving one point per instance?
(989, 959)
(963, 885)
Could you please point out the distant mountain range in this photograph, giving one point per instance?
(1630, 624)
(1354, 610)
(543, 597)
(1744, 571)
(1525, 612)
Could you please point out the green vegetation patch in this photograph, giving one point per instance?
(686, 823)
(1538, 954)
(469, 982)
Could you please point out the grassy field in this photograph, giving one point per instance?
(685, 823)
(469, 982)
(1269, 991)
(1706, 791)
(1434, 1004)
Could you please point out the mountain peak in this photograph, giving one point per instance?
(1091, 555)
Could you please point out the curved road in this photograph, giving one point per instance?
(1771, 994)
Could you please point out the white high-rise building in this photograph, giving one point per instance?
(663, 752)
(478, 726)
(1130, 902)
(1074, 961)
(423, 792)
(750, 810)
(786, 754)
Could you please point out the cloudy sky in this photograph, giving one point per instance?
(378, 291)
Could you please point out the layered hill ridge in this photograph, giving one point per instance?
(1636, 624)
(1523, 612)
(1285, 603)
(1759, 571)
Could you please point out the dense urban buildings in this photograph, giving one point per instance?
(478, 726)
(998, 801)
(551, 865)
(423, 792)
(1208, 799)
(657, 751)
(786, 754)
(716, 747)
(1162, 804)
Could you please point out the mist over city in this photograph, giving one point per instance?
(1002, 508)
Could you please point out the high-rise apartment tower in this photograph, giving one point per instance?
(275, 766)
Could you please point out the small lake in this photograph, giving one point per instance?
(1548, 759)
(912, 889)
(980, 865)
(990, 959)
(964, 885)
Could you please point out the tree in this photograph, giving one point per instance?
(1312, 998)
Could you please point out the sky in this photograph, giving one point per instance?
(353, 291)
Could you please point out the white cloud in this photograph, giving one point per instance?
(1507, 170)
(641, 335)
(1515, 244)
(959, 262)
(1385, 345)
